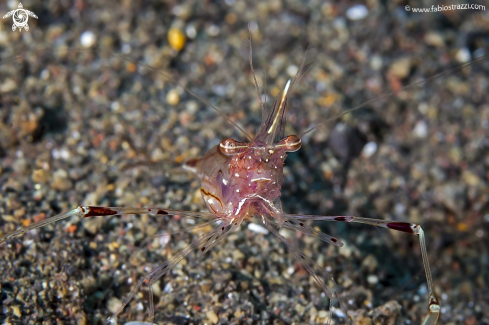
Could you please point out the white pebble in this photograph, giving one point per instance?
(113, 304)
(463, 55)
(191, 31)
(257, 228)
(253, 26)
(323, 314)
(87, 39)
(292, 70)
(45, 74)
(372, 279)
(420, 129)
(369, 149)
(126, 48)
(399, 208)
(376, 62)
(139, 306)
(65, 154)
(357, 12)
(168, 288)
(164, 239)
(213, 30)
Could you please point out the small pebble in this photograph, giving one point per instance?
(238, 255)
(376, 62)
(370, 263)
(40, 176)
(420, 129)
(463, 55)
(292, 70)
(357, 12)
(16, 311)
(113, 304)
(369, 149)
(173, 98)
(60, 180)
(401, 67)
(191, 31)
(212, 316)
(176, 39)
(213, 30)
(372, 279)
(434, 39)
(323, 314)
(87, 39)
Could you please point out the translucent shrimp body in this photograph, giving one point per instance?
(244, 179)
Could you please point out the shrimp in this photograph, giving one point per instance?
(238, 181)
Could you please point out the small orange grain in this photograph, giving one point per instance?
(274, 91)
(113, 144)
(209, 60)
(231, 18)
(462, 227)
(329, 100)
(71, 229)
(39, 217)
(131, 67)
(394, 82)
(26, 222)
(179, 159)
(328, 174)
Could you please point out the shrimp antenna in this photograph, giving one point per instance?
(172, 80)
(247, 53)
(167, 77)
(307, 64)
(448, 71)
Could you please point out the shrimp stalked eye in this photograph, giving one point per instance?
(292, 143)
(231, 147)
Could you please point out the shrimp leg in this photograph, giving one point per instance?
(93, 211)
(414, 229)
(314, 270)
(203, 243)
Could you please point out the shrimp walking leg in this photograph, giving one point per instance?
(203, 243)
(314, 270)
(93, 211)
(414, 229)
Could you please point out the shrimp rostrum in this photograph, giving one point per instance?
(241, 180)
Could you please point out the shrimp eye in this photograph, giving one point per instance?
(230, 146)
(292, 143)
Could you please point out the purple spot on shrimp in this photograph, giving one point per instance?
(161, 212)
(340, 218)
(99, 211)
(434, 301)
(401, 226)
(334, 240)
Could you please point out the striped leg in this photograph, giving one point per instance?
(433, 303)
